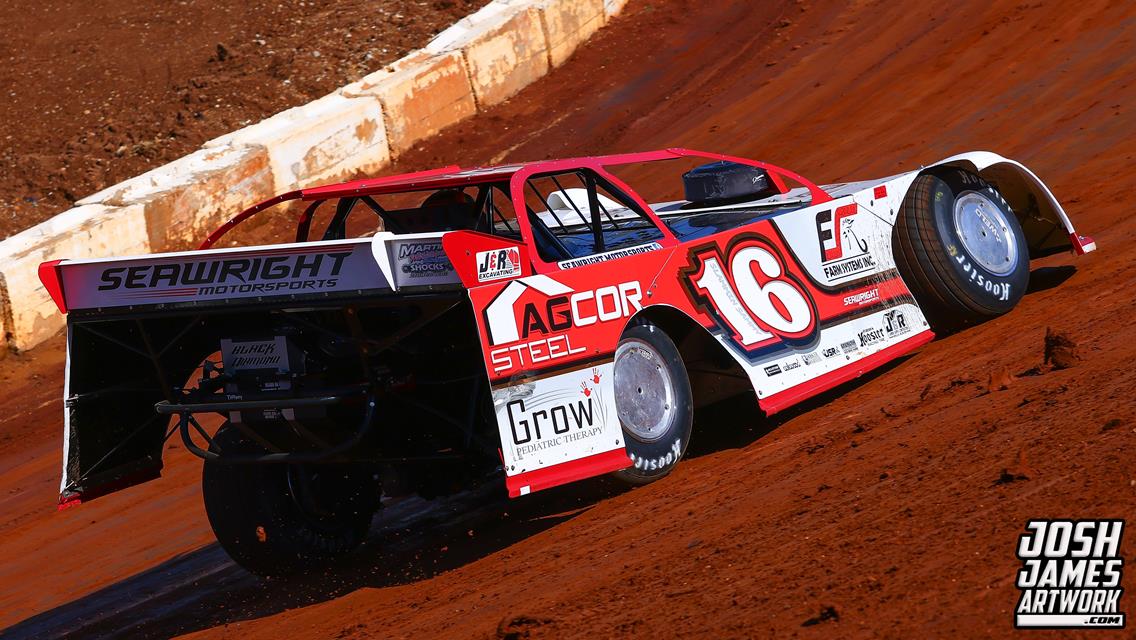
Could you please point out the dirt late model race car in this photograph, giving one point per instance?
(540, 320)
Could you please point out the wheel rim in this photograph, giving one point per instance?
(644, 391)
(985, 233)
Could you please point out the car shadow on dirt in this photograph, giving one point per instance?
(1045, 278)
(737, 422)
(413, 540)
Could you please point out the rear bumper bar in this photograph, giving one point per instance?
(169, 409)
(323, 451)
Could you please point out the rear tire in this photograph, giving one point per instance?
(278, 519)
(654, 402)
(960, 249)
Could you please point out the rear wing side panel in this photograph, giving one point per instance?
(113, 438)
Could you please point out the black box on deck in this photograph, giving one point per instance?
(725, 181)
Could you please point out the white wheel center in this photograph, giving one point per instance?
(644, 391)
(985, 233)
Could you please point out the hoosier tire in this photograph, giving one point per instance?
(279, 519)
(960, 249)
(654, 402)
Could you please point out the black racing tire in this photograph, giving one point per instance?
(280, 519)
(960, 249)
(654, 402)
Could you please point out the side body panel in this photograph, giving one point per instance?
(802, 301)
(805, 300)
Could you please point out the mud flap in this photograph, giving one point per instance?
(559, 428)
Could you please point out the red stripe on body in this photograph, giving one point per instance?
(566, 472)
(784, 399)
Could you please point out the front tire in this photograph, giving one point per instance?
(960, 249)
(278, 519)
(654, 402)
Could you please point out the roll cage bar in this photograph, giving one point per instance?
(508, 181)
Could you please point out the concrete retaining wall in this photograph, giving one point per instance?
(184, 200)
(567, 23)
(480, 61)
(420, 95)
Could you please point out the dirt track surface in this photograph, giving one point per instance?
(894, 504)
(98, 92)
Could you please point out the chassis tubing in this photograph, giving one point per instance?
(185, 419)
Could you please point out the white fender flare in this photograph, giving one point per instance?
(1047, 227)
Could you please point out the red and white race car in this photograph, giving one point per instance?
(546, 320)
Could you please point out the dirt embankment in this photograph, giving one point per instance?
(98, 92)
(890, 509)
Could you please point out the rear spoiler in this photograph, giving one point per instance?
(131, 337)
(286, 272)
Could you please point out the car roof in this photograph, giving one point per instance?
(451, 176)
(455, 176)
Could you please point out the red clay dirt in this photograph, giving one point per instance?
(890, 508)
(98, 92)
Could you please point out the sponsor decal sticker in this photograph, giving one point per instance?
(789, 365)
(229, 275)
(862, 298)
(848, 346)
(554, 307)
(222, 276)
(529, 321)
(895, 323)
(829, 352)
(544, 422)
(750, 293)
(1071, 575)
(810, 358)
(497, 264)
(423, 259)
(772, 370)
(557, 419)
(870, 335)
(843, 253)
(610, 255)
(240, 355)
(530, 355)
